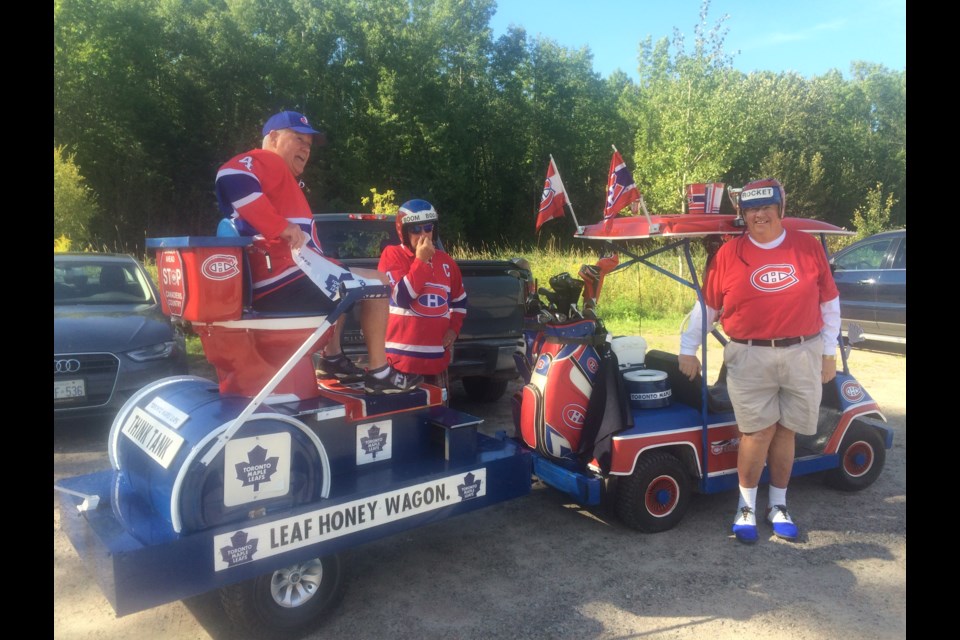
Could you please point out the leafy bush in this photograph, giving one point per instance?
(74, 203)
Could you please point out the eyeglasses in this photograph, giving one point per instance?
(421, 228)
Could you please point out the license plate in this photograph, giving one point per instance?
(67, 389)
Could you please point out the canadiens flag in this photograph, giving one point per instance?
(704, 197)
(554, 196)
(621, 190)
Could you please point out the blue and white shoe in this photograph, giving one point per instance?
(745, 526)
(783, 526)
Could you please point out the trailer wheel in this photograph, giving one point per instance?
(483, 388)
(655, 496)
(286, 602)
(862, 456)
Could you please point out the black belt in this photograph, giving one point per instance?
(777, 342)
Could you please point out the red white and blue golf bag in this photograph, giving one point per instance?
(571, 404)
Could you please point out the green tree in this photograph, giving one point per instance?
(873, 216)
(686, 113)
(74, 203)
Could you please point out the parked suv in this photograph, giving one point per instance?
(871, 275)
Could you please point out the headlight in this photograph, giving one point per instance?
(157, 351)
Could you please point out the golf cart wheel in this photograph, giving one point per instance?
(655, 496)
(862, 456)
(286, 602)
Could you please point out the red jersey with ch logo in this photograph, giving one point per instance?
(783, 287)
(427, 299)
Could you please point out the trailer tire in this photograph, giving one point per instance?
(287, 602)
(862, 456)
(655, 496)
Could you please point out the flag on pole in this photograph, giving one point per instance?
(621, 189)
(554, 196)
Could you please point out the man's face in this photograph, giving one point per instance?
(293, 147)
(763, 222)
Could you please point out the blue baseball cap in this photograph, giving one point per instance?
(289, 120)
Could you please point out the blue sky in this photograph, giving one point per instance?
(809, 37)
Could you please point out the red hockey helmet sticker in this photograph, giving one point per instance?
(774, 277)
(574, 415)
(852, 391)
(220, 266)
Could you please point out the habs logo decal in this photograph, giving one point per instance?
(547, 198)
(432, 303)
(220, 267)
(774, 277)
(852, 391)
(574, 415)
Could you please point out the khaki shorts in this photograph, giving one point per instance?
(772, 384)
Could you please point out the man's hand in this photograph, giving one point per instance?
(689, 366)
(449, 337)
(829, 371)
(424, 248)
(294, 236)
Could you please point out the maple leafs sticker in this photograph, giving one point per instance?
(258, 468)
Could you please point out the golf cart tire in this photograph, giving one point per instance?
(285, 603)
(656, 495)
(862, 456)
(483, 388)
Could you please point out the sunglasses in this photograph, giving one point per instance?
(421, 228)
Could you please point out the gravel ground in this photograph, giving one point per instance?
(541, 567)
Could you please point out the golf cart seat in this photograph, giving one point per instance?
(689, 392)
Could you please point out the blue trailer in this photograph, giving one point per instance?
(256, 494)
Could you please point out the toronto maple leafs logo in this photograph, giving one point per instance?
(241, 549)
(257, 469)
(374, 442)
(470, 487)
(331, 284)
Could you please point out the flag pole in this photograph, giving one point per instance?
(567, 198)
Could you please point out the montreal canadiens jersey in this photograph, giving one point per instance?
(770, 293)
(260, 193)
(425, 301)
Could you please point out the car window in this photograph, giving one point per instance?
(866, 256)
(355, 241)
(900, 261)
(99, 283)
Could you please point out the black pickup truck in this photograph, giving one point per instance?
(496, 290)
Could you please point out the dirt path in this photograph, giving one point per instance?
(541, 567)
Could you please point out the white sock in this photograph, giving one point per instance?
(748, 498)
(382, 372)
(777, 496)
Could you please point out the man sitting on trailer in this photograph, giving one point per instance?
(261, 192)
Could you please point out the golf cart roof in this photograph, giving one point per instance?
(689, 225)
